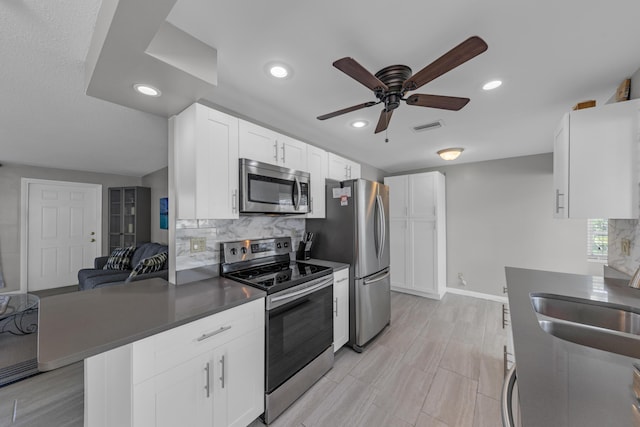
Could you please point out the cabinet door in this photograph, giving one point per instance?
(422, 200)
(338, 168)
(399, 258)
(398, 198)
(317, 167)
(353, 170)
(217, 166)
(603, 161)
(258, 143)
(340, 308)
(422, 250)
(561, 169)
(239, 381)
(292, 153)
(183, 395)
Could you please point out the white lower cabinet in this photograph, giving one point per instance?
(209, 372)
(340, 308)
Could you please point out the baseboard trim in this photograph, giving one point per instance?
(480, 295)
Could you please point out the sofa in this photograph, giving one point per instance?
(98, 277)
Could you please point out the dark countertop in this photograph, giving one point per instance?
(561, 383)
(81, 324)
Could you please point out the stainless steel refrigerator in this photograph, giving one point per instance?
(355, 231)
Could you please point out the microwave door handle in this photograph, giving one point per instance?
(296, 200)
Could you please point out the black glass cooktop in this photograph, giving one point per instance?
(278, 276)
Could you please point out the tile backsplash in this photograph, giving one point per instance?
(624, 229)
(224, 230)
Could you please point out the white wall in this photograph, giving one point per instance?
(158, 181)
(499, 213)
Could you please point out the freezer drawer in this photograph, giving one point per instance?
(372, 306)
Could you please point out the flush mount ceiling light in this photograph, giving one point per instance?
(450, 153)
(492, 84)
(278, 70)
(146, 89)
(359, 124)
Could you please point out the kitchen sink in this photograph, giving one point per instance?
(595, 324)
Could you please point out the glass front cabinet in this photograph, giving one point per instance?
(129, 216)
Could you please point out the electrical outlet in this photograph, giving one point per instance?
(198, 244)
(626, 247)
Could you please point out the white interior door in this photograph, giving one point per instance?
(63, 232)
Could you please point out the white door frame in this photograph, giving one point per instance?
(24, 220)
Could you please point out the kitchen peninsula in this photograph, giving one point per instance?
(151, 341)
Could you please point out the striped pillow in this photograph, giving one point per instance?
(120, 259)
(150, 265)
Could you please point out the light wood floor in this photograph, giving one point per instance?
(439, 364)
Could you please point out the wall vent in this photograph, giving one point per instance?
(428, 126)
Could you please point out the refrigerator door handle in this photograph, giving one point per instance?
(380, 227)
(383, 224)
(383, 276)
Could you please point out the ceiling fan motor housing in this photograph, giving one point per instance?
(394, 77)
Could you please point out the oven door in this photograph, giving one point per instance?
(299, 328)
(272, 189)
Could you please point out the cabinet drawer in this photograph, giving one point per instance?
(168, 349)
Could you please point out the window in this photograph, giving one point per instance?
(597, 239)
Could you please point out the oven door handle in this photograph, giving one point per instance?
(383, 276)
(303, 292)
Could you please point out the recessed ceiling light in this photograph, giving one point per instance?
(450, 153)
(492, 84)
(146, 89)
(359, 123)
(278, 70)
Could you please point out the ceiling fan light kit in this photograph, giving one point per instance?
(450, 153)
(391, 84)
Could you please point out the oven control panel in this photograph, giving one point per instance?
(244, 250)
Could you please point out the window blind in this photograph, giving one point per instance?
(597, 239)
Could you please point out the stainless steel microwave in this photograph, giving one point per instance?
(272, 189)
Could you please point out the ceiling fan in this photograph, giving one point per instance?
(391, 84)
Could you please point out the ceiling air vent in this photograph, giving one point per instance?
(428, 126)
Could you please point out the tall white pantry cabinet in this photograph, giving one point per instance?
(418, 234)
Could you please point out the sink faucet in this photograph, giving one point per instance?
(635, 280)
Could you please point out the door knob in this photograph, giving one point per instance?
(93, 233)
(93, 240)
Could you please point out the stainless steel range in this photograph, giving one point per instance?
(298, 317)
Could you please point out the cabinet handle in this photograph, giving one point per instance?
(346, 171)
(349, 171)
(283, 154)
(311, 205)
(275, 151)
(206, 384)
(504, 290)
(211, 334)
(341, 280)
(222, 373)
(335, 302)
(558, 207)
(234, 201)
(15, 411)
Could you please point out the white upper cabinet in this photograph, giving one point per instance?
(205, 153)
(317, 167)
(342, 169)
(595, 162)
(265, 145)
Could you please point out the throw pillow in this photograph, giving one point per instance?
(120, 259)
(150, 265)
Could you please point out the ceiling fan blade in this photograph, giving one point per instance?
(350, 67)
(347, 110)
(437, 101)
(383, 121)
(460, 54)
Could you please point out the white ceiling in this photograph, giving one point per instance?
(550, 55)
